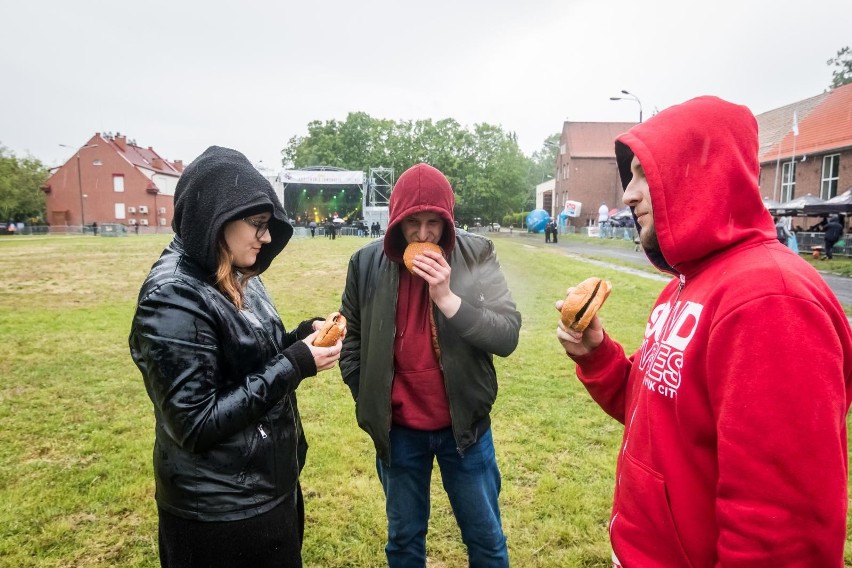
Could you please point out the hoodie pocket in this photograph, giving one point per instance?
(643, 530)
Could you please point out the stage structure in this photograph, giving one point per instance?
(317, 193)
(377, 196)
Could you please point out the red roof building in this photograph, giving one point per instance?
(112, 180)
(806, 147)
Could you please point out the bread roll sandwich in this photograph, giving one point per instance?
(413, 249)
(583, 302)
(333, 329)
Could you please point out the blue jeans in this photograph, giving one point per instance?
(472, 483)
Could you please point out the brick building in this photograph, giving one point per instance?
(812, 155)
(112, 180)
(586, 170)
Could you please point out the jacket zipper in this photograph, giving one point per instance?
(393, 338)
(446, 388)
(680, 286)
(297, 432)
(241, 478)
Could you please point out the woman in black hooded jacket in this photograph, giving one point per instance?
(222, 371)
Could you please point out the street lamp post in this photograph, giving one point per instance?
(632, 97)
(80, 185)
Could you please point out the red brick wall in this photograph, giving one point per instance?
(591, 181)
(808, 175)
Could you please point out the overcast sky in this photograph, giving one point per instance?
(182, 75)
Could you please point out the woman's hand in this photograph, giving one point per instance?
(324, 357)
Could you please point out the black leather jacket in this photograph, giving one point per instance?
(229, 441)
(487, 323)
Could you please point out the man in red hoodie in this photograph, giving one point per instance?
(734, 406)
(418, 359)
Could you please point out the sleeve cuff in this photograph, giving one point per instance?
(599, 358)
(465, 317)
(307, 327)
(299, 355)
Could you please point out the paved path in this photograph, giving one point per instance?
(840, 285)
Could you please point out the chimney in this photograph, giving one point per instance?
(178, 164)
(121, 141)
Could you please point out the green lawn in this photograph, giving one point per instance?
(76, 486)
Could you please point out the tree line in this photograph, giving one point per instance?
(21, 198)
(491, 176)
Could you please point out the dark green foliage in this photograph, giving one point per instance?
(21, 198)
(488, 171)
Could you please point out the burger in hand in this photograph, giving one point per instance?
(583, 302)
(413, 249)
(333, 329)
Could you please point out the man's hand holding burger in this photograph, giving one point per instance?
(580, 330)
(429, 263)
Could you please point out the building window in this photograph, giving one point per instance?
(118, 183)
(830, 175)
(788, 181)
(119, 211)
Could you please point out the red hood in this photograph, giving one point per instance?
(420, 188)
(700, 159)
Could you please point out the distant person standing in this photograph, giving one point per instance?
(313, 227)
(603, 219)
(833, 232)
(95, 228)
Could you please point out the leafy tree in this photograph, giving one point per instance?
(21, 197)
(543, 166)
(842, 74)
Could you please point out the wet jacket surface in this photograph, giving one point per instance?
(228, 441)
(486, 324)
(734, 405)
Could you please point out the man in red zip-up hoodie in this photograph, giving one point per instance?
(418, 358)
(734, 406)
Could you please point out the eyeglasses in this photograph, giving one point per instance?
(261, 227)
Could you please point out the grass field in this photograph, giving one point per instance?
(76, 486)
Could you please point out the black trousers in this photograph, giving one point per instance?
(829, 244)
(271, 540)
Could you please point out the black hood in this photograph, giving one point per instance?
(217, 187)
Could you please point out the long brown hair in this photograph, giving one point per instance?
(231, 281)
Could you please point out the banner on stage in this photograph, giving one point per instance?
(320, 177)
